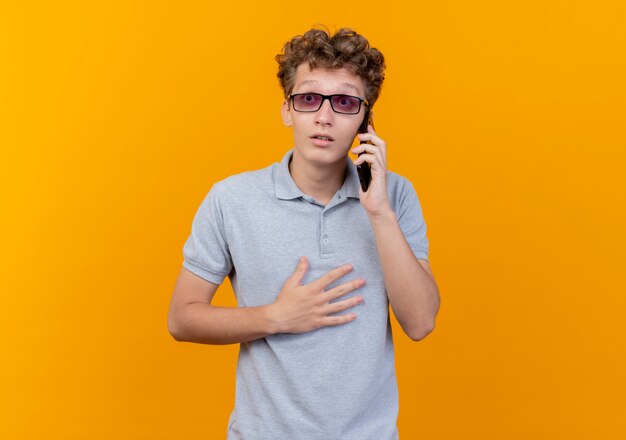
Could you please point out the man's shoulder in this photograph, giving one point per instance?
(397, 183)
(401, 192)
(246, 183)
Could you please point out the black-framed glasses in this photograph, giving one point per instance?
(312, 102)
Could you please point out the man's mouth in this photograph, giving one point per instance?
(321, 137)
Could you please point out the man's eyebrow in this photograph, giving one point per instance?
(313, 82)
(351, 86)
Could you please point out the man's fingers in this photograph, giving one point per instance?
(340, 306)
(300, 272)
(341, 290)
(339, 319)
(332, 276)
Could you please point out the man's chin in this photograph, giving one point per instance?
(323, 156)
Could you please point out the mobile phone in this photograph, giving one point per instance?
(365, 174)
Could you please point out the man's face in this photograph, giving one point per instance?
(308, 127)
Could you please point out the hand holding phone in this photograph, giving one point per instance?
(363, 170)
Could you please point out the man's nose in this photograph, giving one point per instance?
(325, 114)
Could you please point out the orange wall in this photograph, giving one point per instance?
(508, 117)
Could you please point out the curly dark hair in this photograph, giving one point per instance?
(345, 49)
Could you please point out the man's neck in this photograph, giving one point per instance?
(321, 183)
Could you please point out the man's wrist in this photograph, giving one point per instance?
(269, 318)
(384, 217)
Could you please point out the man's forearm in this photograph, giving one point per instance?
(298, 308)
(412, 292)
(208, 324)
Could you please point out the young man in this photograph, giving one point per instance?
(316, 358)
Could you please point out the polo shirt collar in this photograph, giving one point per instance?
(287, 189)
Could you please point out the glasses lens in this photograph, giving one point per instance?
(346, 104)
(307, 102)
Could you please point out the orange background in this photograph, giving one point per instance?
(508, 117)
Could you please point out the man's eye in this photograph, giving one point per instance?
(309, 98)
(346, 101)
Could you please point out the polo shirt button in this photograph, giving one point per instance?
(325, 239)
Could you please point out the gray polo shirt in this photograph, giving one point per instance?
(331, 383)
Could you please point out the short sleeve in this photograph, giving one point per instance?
(206, 251)
(411, 220)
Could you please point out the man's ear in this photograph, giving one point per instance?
(286, 114)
